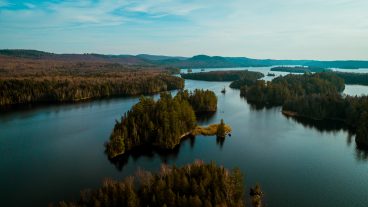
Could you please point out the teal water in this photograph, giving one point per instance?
(50, 153)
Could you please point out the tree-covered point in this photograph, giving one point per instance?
(202, 101)
(161, 123)
(280, 89)
(194, 185)
(353, 78)
(228, 75)
(72, 89)
(299, 69)
(314, 96)
(247, 81)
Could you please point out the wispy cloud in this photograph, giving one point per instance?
(4, 3)
(329, 29)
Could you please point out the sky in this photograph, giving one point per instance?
(278, 29)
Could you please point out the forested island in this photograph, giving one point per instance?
(299, 69)
(24, 81)
(353, 78)
(280, 89)
(194, 185)
(349, 77)
(161, 123)
(314, 96)
(228, 75)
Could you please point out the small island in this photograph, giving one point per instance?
(220, 130)
(228, 75)
(164, 123)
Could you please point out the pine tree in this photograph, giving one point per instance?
(221, 129)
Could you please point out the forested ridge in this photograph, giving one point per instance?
(299, 69)
(314, 96)
(228, 75)
(161, 123)
(194, 185)
(25, 81)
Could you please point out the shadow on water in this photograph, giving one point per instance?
(321, 125)
(257, 106)
(331, 126)
(220, 141)
(149, 151)
(205, 117)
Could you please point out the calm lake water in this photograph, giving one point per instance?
(50, 153)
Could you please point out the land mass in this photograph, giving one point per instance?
(226, 75)
(299, 69)
(313, 96)
(24, 81)
(197, 184)
(163, 123)
(198, 61)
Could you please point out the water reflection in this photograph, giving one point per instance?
(321, 125)
(220, 141)
(330, 126)
(206, 117)
(361, 153)
(150, 152)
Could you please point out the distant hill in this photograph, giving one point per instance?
(160, 57)
(198, 61)
(88, 57)
(204, 61)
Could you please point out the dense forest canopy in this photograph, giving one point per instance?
(33, 81)
(228, 75)
(349, 77)
(276, 92)
(202, 101)
(299, 69)
(161, 123)
(194, 185)
(245, 81)
(315, 96)
(353, 78)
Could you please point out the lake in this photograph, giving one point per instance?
(50, 153)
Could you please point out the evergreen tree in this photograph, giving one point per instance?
(221, 129)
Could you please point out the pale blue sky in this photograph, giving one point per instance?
(282, 29)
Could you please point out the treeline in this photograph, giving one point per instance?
(195, 185)
(72, 89)
(229, 75)
(202, 101)
(280, 89)
(33, 78)
(353, 78)
(299, 69)
(161, 123)
(246, 81)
